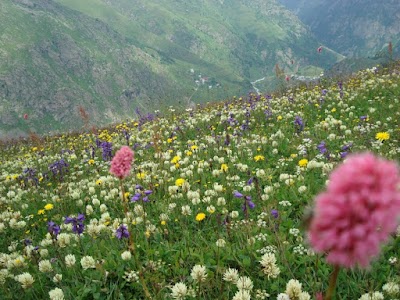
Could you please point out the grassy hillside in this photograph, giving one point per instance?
(214, 204)
(112, 57)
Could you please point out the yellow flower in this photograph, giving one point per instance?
(259, 157)
(303, 162)
(279, 118)
(200, 217)
(41, 212)
(141, 175)
(91, 161)
(49, 206)
(179, 182)
(333, 109)
(193, 147)
(99, 182)
(163, 223)
(382, 136)
(224, 167)
(176, 159)
(189, 153)
(126, 195)
(169, 140)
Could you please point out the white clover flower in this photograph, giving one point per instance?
(179, 291)
(45, 266)
(87, 262)
(283, 296)
(268, 262)
(304, 296)
(372, 296)
(231, 275)
(220, 243)
(199, 273)
(56, 294)
(57, 278)
(126, 255)
(391, 288)
(242, 295)
(186, 210)
(244, 283)
(293, 289)
(25, 279)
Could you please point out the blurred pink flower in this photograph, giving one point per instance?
(357, 212)
(121, 162)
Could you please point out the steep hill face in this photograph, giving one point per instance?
(351, 27)
(114, 56)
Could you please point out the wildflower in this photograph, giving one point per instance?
(179, 182)
(244, 283)
(303, 163)
(70, 260)
(298, 124)
(49, 206)
(121, 163)
(141, 175)
(231, 275)
(224, 167)
(274, 213)
(122, 232)
(87, 262)
(199, 273)
(268, 262)
(25, 279)
(179, 291)
(259, 157)
(391, 288)
(56, 294)
(220, 243)
(200, 217)
(283, 296)
(382, 136)
(372, 296)
(126, 255)
(91, 161)
(237, 194)
(241, 295)
(77, 223)
(41, 212)
(45, 266)
(357, 212)
(293, 289)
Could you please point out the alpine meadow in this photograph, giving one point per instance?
(199, 150)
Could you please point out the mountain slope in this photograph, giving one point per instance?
(112, 57)
(351, 27)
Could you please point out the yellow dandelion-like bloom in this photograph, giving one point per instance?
(169, 141)
(176, 159)
(99, 182)
(303, 162)
(382, 136)
(224, 167)
(200, 217)
(279, 118)
(91, 161)
(194, 147)
(49, 206)
(179, 182)
(141, 175)
(41, 212)
(259, 157)
(163, 223)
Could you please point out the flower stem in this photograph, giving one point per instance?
(332, 283)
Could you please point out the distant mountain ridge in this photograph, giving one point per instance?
(354, 28)
(112, 57)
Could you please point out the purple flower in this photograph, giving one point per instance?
(343, 154)
(237, 194)
(122, 232)
(363, 118)
(53, 228)
(324, 92)
(298, 124)
(274, 213)
(136, 197)
(77, 223)
(322, 148)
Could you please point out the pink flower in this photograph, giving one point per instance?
(319, 49)
(357, 212)
(121, 162)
